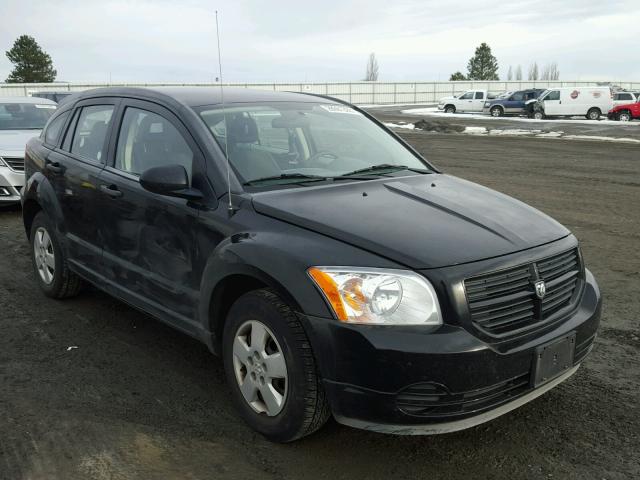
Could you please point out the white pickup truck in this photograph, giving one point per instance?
(469, 101)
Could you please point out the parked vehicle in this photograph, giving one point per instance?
(471, 101)
(57, 97)
(20, 119)
(624, 98)
(625, 113)
(590, 102)
(337, 272)
(512, 104)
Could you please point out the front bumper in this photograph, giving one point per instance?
(409, 380)
(11, 182)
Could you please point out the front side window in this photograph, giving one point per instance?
(91, 132)
(467, 96)
(517, 97)
(25, 116)
(552, 95)
(315, 140)
(52, 132)
(149, 140)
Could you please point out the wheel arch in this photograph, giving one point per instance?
(39, 195)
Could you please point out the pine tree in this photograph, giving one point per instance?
(31, 63)
(483, 65)
(457, 76)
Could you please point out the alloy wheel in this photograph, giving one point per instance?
(44, 255)
(260, 368)
(624, 117)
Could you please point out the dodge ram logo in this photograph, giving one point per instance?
(541, 289)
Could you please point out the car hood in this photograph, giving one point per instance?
(625, 106)
(14, 141)
(422, 221)
(444, 99)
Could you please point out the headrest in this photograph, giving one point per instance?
(241, 129)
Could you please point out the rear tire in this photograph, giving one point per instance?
(449, 109)
(594, 114)
(300, 407)
(50, 261)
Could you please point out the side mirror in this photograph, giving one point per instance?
(170, 180)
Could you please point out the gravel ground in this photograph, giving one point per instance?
(135, 400)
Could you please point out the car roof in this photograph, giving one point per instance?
(38, 100)
(195, 96)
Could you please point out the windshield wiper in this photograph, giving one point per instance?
(385, 166)
(287, 176)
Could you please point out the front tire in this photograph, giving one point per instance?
(624, 116)
(538, 115)
(450, 109)
(271, 369)
(594, 114)
(50, 261)
(496, 112)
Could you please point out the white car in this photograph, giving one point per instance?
(591, 102)
(21, 118)
(470, 101)
(623, 98)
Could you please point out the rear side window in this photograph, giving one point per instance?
(149, 140)
(479, 95)
(52, 132)
(91, 132)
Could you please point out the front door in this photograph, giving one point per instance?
(465, 102)
(150, 239)
(553, 104)
(73, 170)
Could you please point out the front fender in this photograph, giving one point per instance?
(279, 259)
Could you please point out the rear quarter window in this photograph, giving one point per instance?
(54, 128)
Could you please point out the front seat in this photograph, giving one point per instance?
(250, 161)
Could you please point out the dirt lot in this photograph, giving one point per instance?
(136, 400)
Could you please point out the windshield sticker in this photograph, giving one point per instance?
(40, 105)
(339, 109)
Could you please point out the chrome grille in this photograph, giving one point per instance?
(505, 302)
(15, 163)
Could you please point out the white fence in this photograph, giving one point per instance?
(361, 93)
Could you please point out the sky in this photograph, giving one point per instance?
(323, 40)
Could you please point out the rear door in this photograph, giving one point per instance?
(73, 169)
(149, 239)
(478, 102)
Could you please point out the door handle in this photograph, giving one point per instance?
(111, 190)
(53, 166)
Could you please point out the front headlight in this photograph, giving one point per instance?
(378, 296)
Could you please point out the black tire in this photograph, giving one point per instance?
(305, 407)
(64, 283)
(624, 116)
(594, 114)
(496, 111)
(539, 115)
(449, 109)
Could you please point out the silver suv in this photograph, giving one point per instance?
(21, 118)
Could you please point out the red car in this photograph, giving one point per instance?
(626, 112)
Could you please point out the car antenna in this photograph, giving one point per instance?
(224, 116)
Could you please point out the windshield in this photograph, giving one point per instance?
(287, 142)
(24, 116)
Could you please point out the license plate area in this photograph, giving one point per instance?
(553, 359)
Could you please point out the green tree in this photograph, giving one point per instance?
(457, 76)
(31, 64)
(483, 65)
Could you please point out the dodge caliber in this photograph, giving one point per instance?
(334, 270)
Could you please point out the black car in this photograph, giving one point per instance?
(334, 269)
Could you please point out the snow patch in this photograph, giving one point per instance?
(475, 130)
(408, 126)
